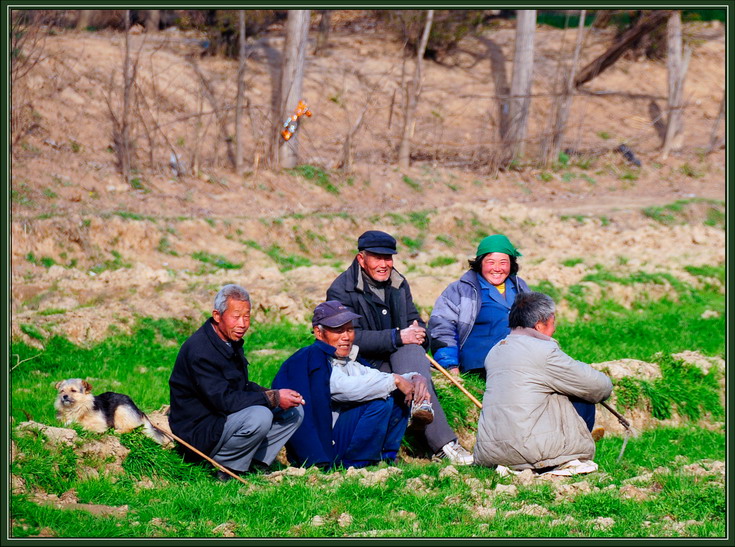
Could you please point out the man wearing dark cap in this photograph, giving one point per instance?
(390, 333)
(355, 415)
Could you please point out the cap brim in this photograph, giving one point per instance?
(338, 320)
(380, 250)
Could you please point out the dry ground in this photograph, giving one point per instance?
(120, 252)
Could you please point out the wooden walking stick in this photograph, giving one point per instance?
(454, 381)
(210, 460)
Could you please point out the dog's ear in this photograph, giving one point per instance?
(58, 385)
(87, 386)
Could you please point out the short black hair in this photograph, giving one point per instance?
(476, 264)
(529, 308)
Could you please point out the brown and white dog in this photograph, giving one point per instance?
(75, 403)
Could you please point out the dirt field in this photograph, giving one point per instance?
(90, 251)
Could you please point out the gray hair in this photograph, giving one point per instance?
(529, 308)
(230, 291)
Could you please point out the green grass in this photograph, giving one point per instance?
(184, 500)
(440, 261)
(284, 261)
(215, 260)
(411, 183)
(317, 175)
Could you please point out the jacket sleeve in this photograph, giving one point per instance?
(575, 378)
(217, 386)
(366, 384)
(443, 326)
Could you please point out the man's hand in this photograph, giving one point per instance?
(406, 387)
(454, 371)
(420, 389)
(413, 334)
(288, 398)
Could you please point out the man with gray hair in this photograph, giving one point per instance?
(529, 419)
(214, 407)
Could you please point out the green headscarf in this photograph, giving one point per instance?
(497, 243)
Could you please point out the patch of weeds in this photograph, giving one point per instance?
(452, 187)
(116, 263)
(133, 216)
(545, 286)
(715, 218)
(52, 311)
(211, 222)
(440, 261)
(316, 174)
(412, 183)
(47, 192)
(252, 244)
(286, 262)
(579, 218)
(623, 260)
(717, 272)
(586, 177)
(446, 240)
(216, 260)
(571, 262)
(660, 215)
(397, 218)
(45, 261)
(420, 219)
(629, 175)
(137, 184)
(22, 195)
(604, 135)
(546, 176)
(585, 162)
(164, 246)
(76, 147)
(690, 171)
(413, 244)
(32, 331)
(604, 221)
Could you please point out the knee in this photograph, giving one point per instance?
(259, 420)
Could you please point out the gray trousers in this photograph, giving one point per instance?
(412, 358)
(255, 433)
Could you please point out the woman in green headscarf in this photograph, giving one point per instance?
(471, 315)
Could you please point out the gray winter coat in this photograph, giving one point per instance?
(527, 420)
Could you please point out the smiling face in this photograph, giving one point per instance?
(232, 325)
(341, 338)
(496, 268)
(377, 266)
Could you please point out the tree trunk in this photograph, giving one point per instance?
(520, 86)
(677, 69)
(240, 94)
(647, 24)
(323, 36)
(713, 135)
(85, 18)
(152, 20)
(413, 90)
(292, 77)
(125, 125)
(562, 112)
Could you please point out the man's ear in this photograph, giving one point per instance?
(216, 316)
(360, 259)
(317, 332)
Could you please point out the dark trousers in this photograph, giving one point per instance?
(367, 433)
(585, 410)
(412, 358)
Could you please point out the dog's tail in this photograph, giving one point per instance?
(153, 432)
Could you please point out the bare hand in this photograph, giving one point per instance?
(405, 386)
(288, 398)
(413, 334)
(420, 389)
(454, 371)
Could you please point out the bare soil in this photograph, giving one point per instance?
(90, 250)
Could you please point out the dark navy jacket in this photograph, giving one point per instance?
(209, 381)
(307, 371)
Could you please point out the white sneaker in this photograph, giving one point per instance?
(574, 467)
(455, 453)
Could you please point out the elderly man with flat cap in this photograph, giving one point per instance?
(390, 333)
(354, 415)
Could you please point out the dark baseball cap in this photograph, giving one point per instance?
(332, 314)
(377, 242)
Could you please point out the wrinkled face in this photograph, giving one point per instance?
(232, 325)
(496, 268)
(71, 390)
(341, 338)
(377, 266)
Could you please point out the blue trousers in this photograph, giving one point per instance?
(367, 433)
(585, 410)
